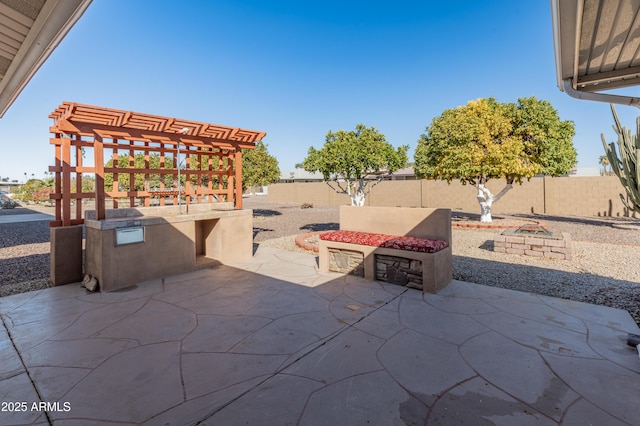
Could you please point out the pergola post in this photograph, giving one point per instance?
(98, 152)
(66, 181)
(238, 181)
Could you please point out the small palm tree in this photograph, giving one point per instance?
(604, 162)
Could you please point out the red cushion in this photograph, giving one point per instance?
(422, 245)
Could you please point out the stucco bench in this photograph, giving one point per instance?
(417, 254)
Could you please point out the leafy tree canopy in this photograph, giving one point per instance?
(153, 180)
(259, 167)
(139, 178)
(34, 190)
(548, 140)
(347, 157)
(486, 140)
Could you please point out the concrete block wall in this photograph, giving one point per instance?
(525, 198)
(585, 196)
(396, 194)
(562, 196)
(316, 193)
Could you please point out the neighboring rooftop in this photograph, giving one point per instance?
(301, 175)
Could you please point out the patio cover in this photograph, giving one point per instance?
(29, 32)
(597, 48)
(79, 126)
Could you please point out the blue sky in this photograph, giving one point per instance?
(298, 69)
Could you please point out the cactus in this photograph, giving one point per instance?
(627, 166)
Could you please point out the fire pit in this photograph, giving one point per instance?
(534, 240)
(534, 230)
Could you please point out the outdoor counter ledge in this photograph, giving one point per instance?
(157, 219)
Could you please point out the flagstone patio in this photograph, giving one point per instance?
(272, 341)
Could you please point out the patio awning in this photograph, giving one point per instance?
(29, 32)
(212, 153)
(597, 48)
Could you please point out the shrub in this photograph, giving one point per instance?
(41, 195)
(306, 206)
(7, 203)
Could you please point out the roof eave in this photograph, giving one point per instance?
(53, 23)
(555, 16)
(566, 18)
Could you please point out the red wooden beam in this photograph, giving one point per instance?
(238, 182)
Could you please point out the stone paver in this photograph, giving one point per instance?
(272, 341)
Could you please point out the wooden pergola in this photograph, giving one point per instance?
(138, 155)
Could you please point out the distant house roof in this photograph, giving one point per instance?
(301, 174)
(597, 48)
(585, 171)
(29, 32)
(407, 171)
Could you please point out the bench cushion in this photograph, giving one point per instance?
(422, 245)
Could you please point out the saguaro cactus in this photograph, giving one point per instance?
(627, 165)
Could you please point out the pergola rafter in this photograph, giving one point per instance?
(114, 135)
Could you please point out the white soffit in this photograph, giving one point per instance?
(29, 32)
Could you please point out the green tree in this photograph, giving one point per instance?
(625, 162)
(88, 184)
(486, 140)
(35, 190)
(356, 161)
(139, 179)
(603, 160)
(548, 141)
(259, 167)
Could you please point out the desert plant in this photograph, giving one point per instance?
(626, 163)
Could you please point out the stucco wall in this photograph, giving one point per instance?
(564, 196)
(172, 244)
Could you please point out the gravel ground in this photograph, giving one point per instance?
(24, 253)
(604, 269)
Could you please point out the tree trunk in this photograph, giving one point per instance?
(357, 198)
(486, 200)
(357, 193)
